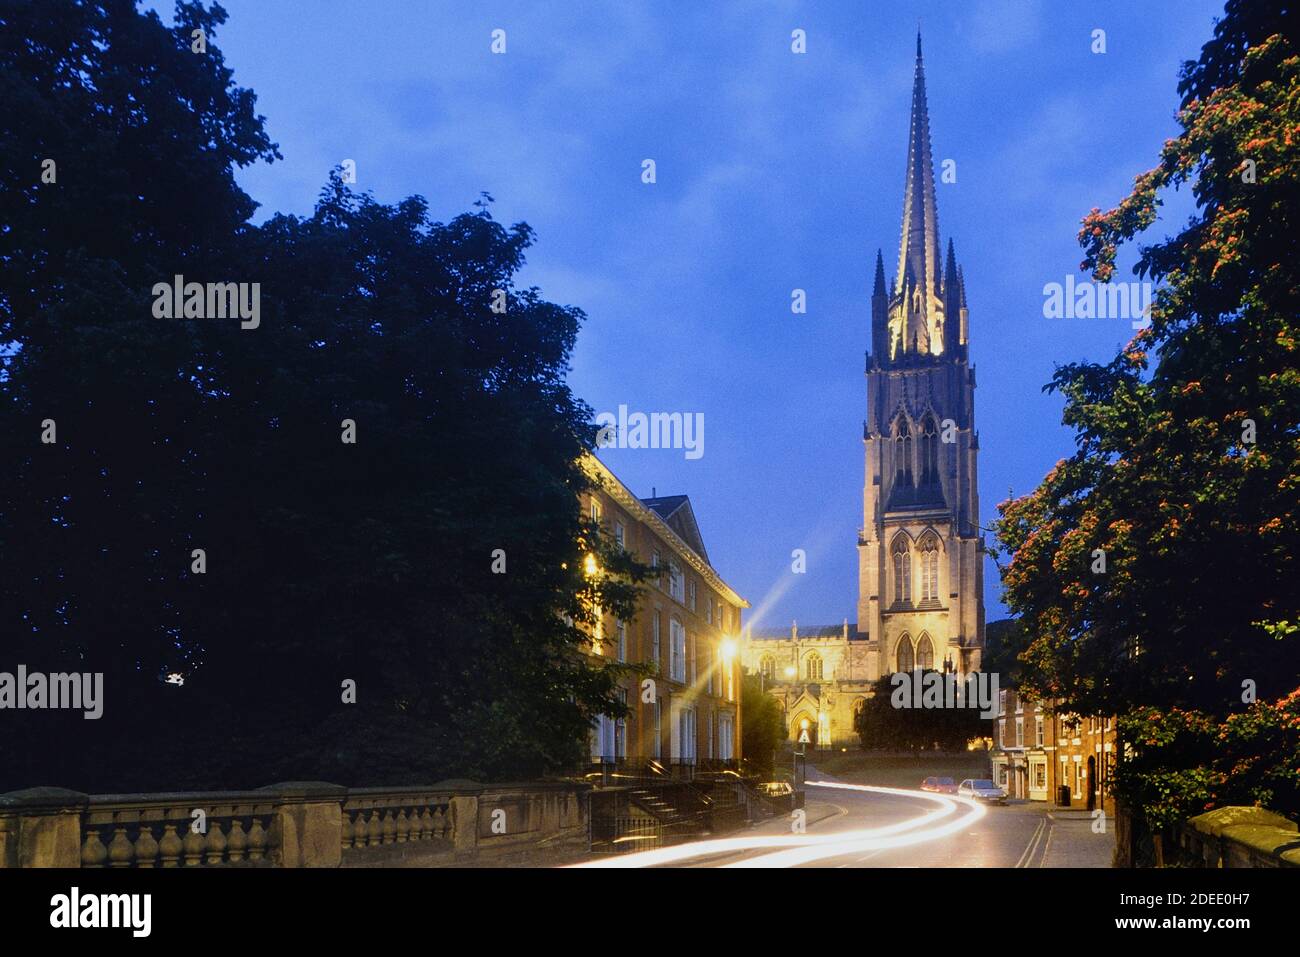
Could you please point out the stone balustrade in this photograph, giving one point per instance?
(296, 824)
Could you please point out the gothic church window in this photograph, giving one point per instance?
(814, 667)
(902, 570)
(902, 452)
(924, 652)
(929, 452)
(930, 568)
(905, 660)
(767, 667)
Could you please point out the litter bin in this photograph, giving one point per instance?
(1063, 795)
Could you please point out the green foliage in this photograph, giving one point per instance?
(762, 730)
(325, 561)
(883, 727)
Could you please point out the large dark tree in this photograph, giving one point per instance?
(883, 727)
(326, 562)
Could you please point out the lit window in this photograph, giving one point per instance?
(924, 652)
(902, 570)
(903, 654)
(930, 568)
(676, 650)
(813, 667)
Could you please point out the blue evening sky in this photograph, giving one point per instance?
(775, 171)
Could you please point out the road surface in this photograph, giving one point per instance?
(850, 825)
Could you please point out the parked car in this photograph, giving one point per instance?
(939, 785)
(982, 790)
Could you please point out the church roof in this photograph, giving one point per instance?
(807, 631)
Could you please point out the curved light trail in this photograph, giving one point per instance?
(805, 848)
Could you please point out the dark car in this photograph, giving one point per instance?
(939, 785)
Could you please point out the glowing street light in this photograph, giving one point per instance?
(728, 649)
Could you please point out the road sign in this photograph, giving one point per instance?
(803, 737)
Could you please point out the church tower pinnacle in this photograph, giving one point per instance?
(920, 550)
(921, 318)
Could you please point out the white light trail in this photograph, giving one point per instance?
(804, 848)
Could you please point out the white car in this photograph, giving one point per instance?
(982, 791)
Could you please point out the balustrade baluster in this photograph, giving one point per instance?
(120, 850)
(93, 851)
(146, 848)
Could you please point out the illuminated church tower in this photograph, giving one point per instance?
(920, 551)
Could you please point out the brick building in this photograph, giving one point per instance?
(1037, 751)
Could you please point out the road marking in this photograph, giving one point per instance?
(1033, 842)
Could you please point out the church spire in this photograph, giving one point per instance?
(879, 288)
(919, 249)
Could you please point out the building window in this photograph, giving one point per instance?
(655, 651)
(924, 652)
(1002, 733)
(929, 453)
(656, 743)
(686, 725)
(726, 737)
(693, 656)
(902, 570)
(1039, 771)
(1002, 702)
(930, 568)
(694, 593)
(1020, 732)
(602, 739)
(595, 511)
(621, 627)
(813, 667)
(903, 655)
(767, 667)
(620, 534)
(1038, 730)
(902, 453)
(676, 583)
(708, 665)
(655, 573)
(620, 730)
(676, 650)
(708, 741)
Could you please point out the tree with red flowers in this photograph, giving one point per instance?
(1156, 567)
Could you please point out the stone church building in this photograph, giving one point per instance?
(920, 547)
